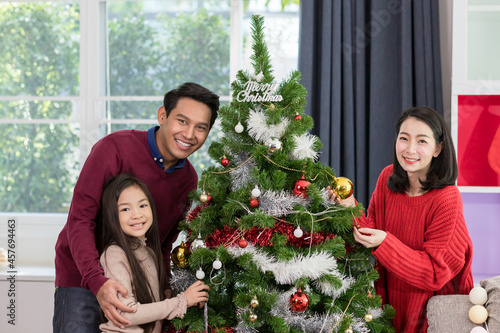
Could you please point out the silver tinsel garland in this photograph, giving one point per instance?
(280, 203)
(313, 265)
(240, 177)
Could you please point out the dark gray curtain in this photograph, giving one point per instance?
(363, 63)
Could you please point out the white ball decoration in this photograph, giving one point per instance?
(217, 264)
(256, 192)
(478, 314)
(478, 296)
(298, 232)
(273, 145)
(478, 329)
(239, 128)
(200, 274)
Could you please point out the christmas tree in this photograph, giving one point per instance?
(276, 251)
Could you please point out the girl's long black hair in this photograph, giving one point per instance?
(111, 233)
(443, 170)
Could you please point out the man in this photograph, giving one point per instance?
(159, 158)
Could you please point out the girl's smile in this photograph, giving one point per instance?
(134, 212)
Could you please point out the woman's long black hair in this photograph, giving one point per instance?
(112, 233)
(443, 170)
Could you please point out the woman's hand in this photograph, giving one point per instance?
(369, 237)
(348, 202)
(196, 294)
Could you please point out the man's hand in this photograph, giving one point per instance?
(369, 237)
(107, 297)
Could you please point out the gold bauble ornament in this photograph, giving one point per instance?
(254, 302)
(368, 317)
(204, 197)
(253, 317)
(342, 187)
(349, 330)
(180, 256)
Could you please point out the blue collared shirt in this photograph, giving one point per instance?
(156, 153)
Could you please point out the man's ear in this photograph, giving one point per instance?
(162, 115)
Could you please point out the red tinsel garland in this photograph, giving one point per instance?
(262, 237)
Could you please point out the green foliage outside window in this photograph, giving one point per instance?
(39, 56)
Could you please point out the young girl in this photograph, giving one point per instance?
(128, 219)
(415, 223)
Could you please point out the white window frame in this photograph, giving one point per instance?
(36, 233)
(460, 85)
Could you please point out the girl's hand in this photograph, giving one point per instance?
(369, 237)
(348, 202)
(195, 293)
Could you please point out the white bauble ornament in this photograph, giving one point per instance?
(239, 128)
(217, 264)
(478, 296)
(298, 232)
(256, 192)
(478, 314)
(478, 329)
(273, 145)
(198, 243)
(200, 274)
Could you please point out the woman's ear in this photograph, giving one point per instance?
(439, 148)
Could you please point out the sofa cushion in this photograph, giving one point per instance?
(449, 313)
(492, 286)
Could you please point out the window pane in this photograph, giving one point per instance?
(281, 34)
(154, 46)
(133, 109)
(38, 167)
(37, 110)
(483, 44)
(40, 57)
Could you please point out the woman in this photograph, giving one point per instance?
(415, 222)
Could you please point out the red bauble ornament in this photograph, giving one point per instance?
(299, 302)
(297, 117)
(224, 162)
(243, 243)
(254, 203)
(300, 187)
